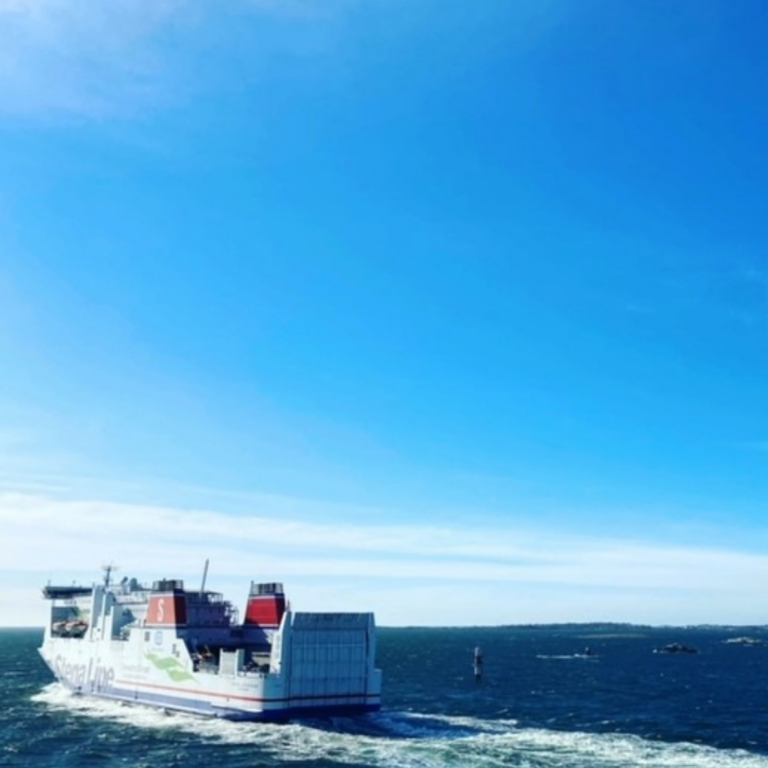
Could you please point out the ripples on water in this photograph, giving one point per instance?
(540, 705)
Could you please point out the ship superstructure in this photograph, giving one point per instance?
(183, 649)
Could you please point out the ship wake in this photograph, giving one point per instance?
(411, 740)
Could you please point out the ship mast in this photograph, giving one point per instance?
(108, 568)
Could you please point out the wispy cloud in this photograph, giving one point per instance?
(397, 566)
(79, 58)
(94, 59)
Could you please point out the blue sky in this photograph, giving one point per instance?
(452, 311)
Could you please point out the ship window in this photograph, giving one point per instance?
(146, 637)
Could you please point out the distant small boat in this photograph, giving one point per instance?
(744, 641)
(675, 648)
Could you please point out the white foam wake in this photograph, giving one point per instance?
(407, 740)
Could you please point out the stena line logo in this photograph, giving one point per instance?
(91, 675)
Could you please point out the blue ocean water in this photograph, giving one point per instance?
(541, 703)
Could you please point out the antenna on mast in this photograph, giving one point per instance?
(205, 576)
(108, 568)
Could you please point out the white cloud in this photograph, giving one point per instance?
(407, 573)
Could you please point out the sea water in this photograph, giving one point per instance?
(549, 697)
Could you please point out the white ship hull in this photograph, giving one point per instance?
(309, 664)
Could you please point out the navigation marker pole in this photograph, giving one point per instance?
(478, 663)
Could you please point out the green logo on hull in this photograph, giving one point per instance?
(171, 666)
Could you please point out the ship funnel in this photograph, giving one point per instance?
(167, 604)
(266, 605)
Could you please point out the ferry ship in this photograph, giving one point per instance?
(186, 650)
